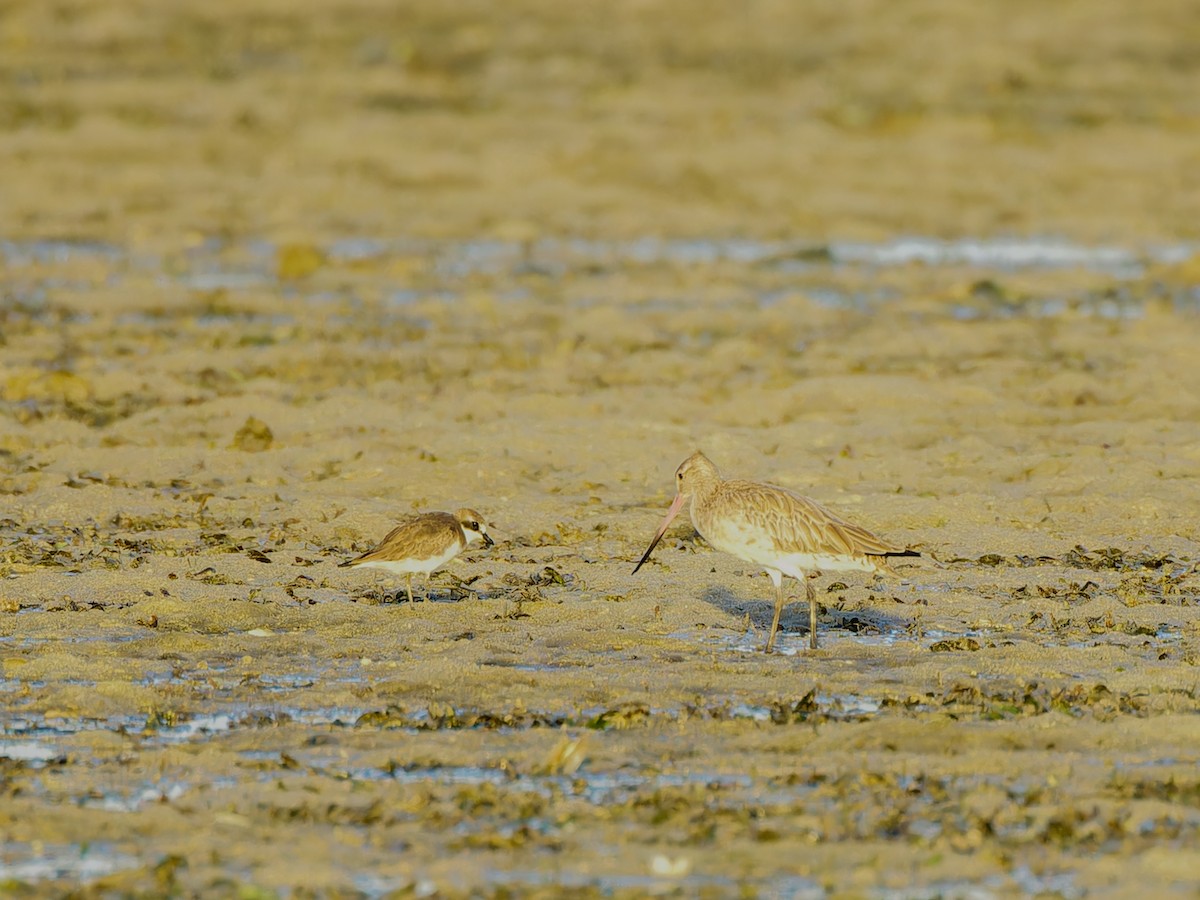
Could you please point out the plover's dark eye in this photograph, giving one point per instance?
(474, 526)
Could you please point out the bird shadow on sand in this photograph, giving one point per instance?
(398, 596)
(759, 613)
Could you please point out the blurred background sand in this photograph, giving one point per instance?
(136, 121)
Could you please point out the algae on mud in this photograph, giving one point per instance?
(508, 258)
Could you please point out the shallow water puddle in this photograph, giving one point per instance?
(34, 733)
(796, 644)
(149, 732)
(28, 752)
(666, 875)
(215, 265)
(842, 707)
(45, 862)
(792, 643)
(133, 799)
(226, 678)
(1021, 881)
(597, 788)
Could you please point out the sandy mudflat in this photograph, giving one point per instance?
(271, 280)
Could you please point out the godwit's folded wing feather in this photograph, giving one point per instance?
(800, 525)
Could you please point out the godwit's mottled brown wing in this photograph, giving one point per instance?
(800, 525)
(416, 537)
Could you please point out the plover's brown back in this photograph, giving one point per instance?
(424, 542)
(418, 537)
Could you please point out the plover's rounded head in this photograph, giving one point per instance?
(473, 526)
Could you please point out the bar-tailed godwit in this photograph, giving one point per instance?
(421, 543)
(775, 528)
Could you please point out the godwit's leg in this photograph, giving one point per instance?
(812, 612)
(777, 579)
(408, 576)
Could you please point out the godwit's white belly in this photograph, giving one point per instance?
(756, 545)
(797, 564)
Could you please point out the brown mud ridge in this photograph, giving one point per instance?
(272, 276)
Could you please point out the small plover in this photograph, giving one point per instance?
(783, 532)
(423, 542)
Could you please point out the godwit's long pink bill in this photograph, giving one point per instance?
(676, 506)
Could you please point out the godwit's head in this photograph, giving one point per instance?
(696, 477)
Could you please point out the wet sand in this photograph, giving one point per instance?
(271, 282)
